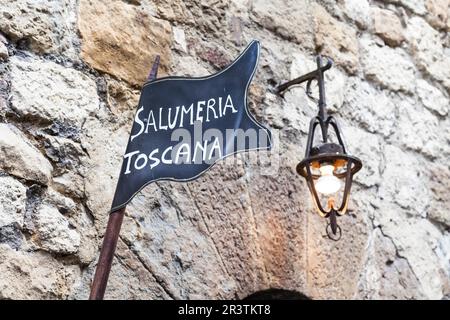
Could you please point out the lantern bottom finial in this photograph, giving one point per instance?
(333, 230)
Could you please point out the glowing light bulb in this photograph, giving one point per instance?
(327, 183)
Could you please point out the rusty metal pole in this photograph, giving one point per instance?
(112, 234)
(106, 255)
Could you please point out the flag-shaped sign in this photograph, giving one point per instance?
(184, 125)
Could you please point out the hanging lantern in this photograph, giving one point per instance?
(327, 167)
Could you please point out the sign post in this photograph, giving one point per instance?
(106, 255)
(112, 234)
(181, 128)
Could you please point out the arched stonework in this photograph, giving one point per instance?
(276, 294)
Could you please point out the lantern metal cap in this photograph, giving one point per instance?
(325, 148)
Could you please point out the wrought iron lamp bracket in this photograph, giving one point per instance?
(316, 75)
(327, 152)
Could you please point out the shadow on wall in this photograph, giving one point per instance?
(277, 294)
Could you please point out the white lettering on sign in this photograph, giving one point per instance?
(139, 122)
(137, 160)
(180, 116)
(203, 148)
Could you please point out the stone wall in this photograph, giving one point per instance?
(70, 77)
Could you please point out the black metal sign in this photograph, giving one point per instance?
(184, 125)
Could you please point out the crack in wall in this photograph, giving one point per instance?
(397, 252)
(159, 281)
(256, 231)
(171, 202)
(223, 265)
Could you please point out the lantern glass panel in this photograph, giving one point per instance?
(327, 183)
(329, 200)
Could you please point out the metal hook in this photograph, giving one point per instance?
(334, 237)
(313, 75)
(308, 91)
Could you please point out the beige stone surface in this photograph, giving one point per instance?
(3, 51)
(45, 91)
(105, 148)
(386, 275)
(122, 39)
(372, 109)
(416, 6)
(44, 26)
(428, 50)
(283, 17)
(53, 232)
(388, 67)
(20, 158)
(13, 206)
(437, 13)
(358, 11)
(439, 176)
(387, 25)
(12, 211)
(432, 98)
(34, 275)
(336, 39)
